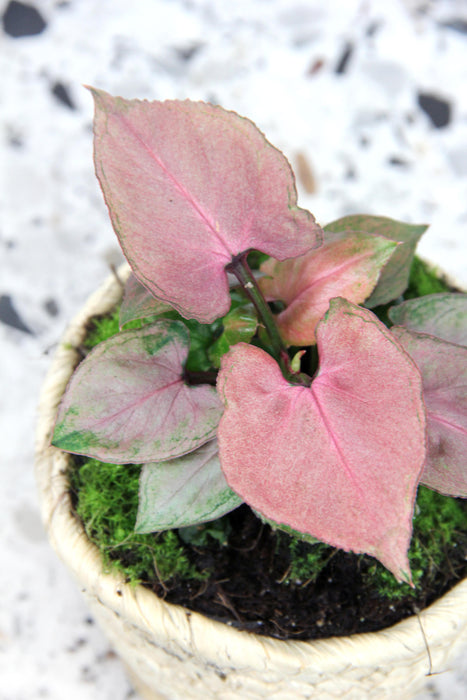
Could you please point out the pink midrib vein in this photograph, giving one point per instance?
(183, 191)
(321, 278)
(325, 421)
(140, 401)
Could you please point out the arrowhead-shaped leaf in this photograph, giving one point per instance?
(395, 276)
(443, 367)
(184, 491)
(189, 186)
(346, 265)
(441, 315)
(138, 303)
(339, 460)
(127, 401)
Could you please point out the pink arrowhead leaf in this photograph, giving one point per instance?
(189, 186)
(441, 315)
(347, 265)
(339, 460)
(395, 276)
(185, 491)
(139, 303)
(127, 401)
(443, 367)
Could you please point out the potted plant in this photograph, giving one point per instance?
(257, 374)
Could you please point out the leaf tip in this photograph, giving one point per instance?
(95, 92)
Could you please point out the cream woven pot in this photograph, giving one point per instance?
(173, 654)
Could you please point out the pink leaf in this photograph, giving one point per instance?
(347, 265)
(395, 276)
(127, 401)
(443, 367)
(139, 303)
(339, 460)
(441, 315)
(189, 186)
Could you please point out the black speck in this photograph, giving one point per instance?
(60, 91)
(80, 642)
(343, 62)
(15, 140)
(372, 28)
(400, 162)
(10, 317)
(51, 306)
(20, 19)
(186, 53)
(457, 25)
(436, 108)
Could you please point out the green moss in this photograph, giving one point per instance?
(103, 327)
(205, 534)
(307, 561)
(423, 280)
(437, 524)
(107, 503)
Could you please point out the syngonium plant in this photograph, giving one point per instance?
(277, 387)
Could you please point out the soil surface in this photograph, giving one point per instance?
(246, 591)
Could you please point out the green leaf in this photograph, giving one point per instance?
(239, 326)
(441, 315)
(201, 338)
(183, 492)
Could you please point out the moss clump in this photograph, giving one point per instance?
(107, 502)
(307, 561)
(103, 327)
(438, 523)
(423, 280)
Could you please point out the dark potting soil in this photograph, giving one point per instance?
(246, 590)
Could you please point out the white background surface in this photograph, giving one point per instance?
(274, 61)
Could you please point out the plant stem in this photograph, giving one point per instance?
(240, 268)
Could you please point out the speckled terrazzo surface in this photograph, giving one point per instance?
(367, 99)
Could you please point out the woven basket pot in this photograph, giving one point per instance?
(173, 654)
